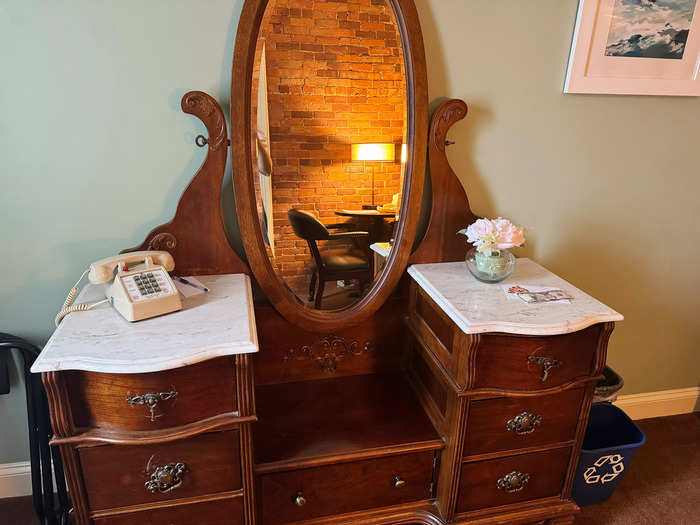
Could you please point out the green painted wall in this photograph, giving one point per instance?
(94, 152)
(94, 148)
(606, 185)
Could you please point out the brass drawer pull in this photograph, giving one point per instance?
(524, 423)
(514, 481)
(166, 478)
(151, 400)
(299, 500)
(398, 482)
(547, 364)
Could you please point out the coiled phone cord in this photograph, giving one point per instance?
(68, 305)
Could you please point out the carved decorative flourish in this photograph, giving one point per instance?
(451, 112)
(329, 351)
(162, 241)
(208, 110)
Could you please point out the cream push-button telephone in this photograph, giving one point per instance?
(140, 289)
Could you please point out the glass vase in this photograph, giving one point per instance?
(491, 268)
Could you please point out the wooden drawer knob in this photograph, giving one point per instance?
(514, 481)
(299, 500)
(166, 478)
(151, 400)
(398, 482)
(524, 423)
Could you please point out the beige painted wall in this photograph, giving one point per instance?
(94, 152)
(607, 186)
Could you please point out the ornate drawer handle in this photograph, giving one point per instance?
(166, 478)
(151, 399)
(514, 481)
(547, 364)
(524, 423)
(398, 482)
(299, 500)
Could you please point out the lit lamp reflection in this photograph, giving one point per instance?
(373, 153)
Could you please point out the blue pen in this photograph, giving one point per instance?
(185, 281)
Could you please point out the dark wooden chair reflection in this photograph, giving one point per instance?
(331, 264)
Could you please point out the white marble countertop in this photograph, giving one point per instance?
(478, 307)
(216, 323)
(382, 248)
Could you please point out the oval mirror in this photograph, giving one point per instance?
(328, 120)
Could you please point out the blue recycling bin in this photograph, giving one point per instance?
(610, 442)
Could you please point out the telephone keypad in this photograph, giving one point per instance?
(147, 285)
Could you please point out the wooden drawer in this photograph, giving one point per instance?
(202, 390)
(222, 512)
(437, 332)
(479, 486)
(115, 476)
(348, 487)
(511, 423)
(509, 362)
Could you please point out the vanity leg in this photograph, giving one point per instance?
(62, 426)
(78, 495)
(247, 471)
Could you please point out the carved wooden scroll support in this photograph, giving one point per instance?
(450, 211)
(196, 237)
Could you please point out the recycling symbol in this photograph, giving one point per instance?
(592, 475)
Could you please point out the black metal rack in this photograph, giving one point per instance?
(45, 460)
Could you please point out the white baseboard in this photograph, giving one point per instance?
(15, 478)
(660, 404)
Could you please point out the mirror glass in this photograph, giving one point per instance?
(329, 125)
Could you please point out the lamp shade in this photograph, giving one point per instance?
(373, 152)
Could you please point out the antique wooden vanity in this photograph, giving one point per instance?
(429, 398)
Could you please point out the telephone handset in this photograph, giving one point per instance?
(140, 289)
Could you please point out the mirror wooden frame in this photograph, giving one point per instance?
(281, 297)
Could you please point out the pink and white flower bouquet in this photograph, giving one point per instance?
(490, 261)
(489, 235)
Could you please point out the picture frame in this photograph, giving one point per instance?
(635, 47)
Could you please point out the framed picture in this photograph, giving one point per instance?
(635, 47)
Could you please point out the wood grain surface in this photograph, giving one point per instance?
(343, 488)
(203, 390)
(116, 475)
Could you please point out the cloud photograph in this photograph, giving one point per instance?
(650, 28)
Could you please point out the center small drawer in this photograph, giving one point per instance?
(153, 401)
(531, 363)
(513, 479)
(121, 476)
(298, 495)
(502, 424)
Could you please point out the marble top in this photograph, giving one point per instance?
(382, 248)
(478, 307)
(216, 323)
